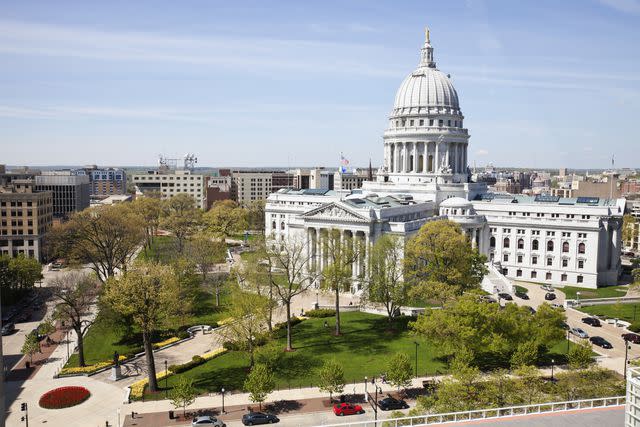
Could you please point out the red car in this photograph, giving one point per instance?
(342, 409)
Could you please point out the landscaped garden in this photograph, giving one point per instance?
(64, 397)
(364, 348)
(628, 312)
(571, 292)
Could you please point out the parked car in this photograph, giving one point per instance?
(565, 326)
(342, 409)
(505, 296)
(253, 418)
(207, 420)
(549, 296)
(487, 298)
(389, 403)
(522, 295)
(557, 306)
(548, 288)
(592, 321)
(634, 338)
(580, 333)
(601, 342)
(8, 328)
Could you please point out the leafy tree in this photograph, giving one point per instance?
(74, 294)
(188, 287)
(331, 377)
(248, 312)
(526, 354)
(399, 371)
(183, 394)
(341, 252)
(580, 356)
(385, 284)
(225, 218)
(149, 294)
(588, 384)
(254, 274)
(289, 274)
(530, 385)
(105, 237)
(17, 276)
(31, 346)
(255, 215)
(629, 230)
(499, 390)
(149, 209)
(181, 218)
(440, 254)
(259, 383)
(47, 327)
(206, 253)
(269, 355)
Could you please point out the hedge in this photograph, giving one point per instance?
(320, 312)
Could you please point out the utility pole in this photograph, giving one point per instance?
(25, 409)
(416, 343)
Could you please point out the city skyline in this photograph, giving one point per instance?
(251, 86)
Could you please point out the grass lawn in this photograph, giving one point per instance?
(362, 350)
(521, 289)
(164, 249)
(620, 311)
(606, 292)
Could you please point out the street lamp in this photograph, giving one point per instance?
(166, 378)
(626, 355)
(222, 391)
(375, 404)
(552, 363)
(578, 296)
(365, 387)
(416, 343)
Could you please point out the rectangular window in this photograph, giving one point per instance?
(580, 279)
(563, 278)
(505, 257)
(549, 261)
(580, 263)
(565, 262)
(421, 122)
(534, 260)
(548, 276)
(519, 258)
(534, 274)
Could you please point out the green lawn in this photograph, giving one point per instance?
(606, 292)
(628, 312)
(362, 350)
(521, 289)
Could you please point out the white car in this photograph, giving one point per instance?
(548, 288)
(580, 333)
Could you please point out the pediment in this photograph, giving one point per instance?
(335, 212)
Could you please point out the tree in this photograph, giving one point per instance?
(149, 209)
(499, 390)
(525, 355)
(74, 294)
(181, 218)
(269, 355)
(248, 312)
(580, 356)
(255, 215)
(341, 252)
(385, 284)
(17, 276)
(629, 229)
(225, 218)
(183, 394)
(259, 383)
(106, 237)
(47, 327)
(399, 371)
(206, 253)
(588, 384)
(149, 294)
(331, 377)
(440, 254)
(530, 384)
(31, 346)
(289, 274)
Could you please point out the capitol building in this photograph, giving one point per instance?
(425, 177)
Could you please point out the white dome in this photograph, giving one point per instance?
(456, 202)
(425, 87)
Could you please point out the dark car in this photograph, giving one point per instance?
(601, 342)
(253, 418)
(565, 326)
(522, 295)
(634, 338)
(8, 328)
(389, 403)
(549, 296)
(505, 296)
(591, 321)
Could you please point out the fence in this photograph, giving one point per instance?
(483, 414)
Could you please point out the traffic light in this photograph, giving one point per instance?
(23, 406)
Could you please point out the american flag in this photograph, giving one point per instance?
(343, 160)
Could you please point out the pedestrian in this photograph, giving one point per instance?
(326, 325)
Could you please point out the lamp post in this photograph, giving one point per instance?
(365, 387)
(166, 378)
(578, 296)
(416, 343)
(375, 405)
(552, 363)
(626, 355)
(222, 391)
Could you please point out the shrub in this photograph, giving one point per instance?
(165, 342)
(283, 325)
(320, 312)
(195, 361)
(183, 335)
(64, 397)
(635, 326)
(89, 368)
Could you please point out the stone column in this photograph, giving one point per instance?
(399, 157)
(447, 158)
(405, 158)
(615, 255)
(415, 157)
(436, 160)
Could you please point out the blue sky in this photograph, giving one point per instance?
(255, 83)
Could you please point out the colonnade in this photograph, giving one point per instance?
(425, 157)
(319, 247)
(475, 236)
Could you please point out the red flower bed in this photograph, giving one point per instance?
(64, 397)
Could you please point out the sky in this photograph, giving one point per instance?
(541, 83)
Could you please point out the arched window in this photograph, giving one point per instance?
(273, 225)
(282, 225)
(492, 242)
(534, 245)
(565, 246)
(520, 244)
(581, 248)
(550, 245)
(506, 242)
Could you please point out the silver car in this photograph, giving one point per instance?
(580, 333)
(207, 420)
